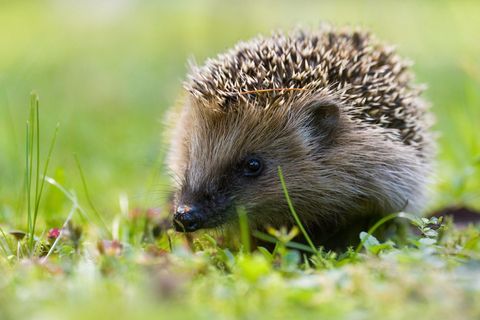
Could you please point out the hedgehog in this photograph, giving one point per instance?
(336, 110)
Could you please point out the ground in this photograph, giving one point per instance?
(106, 74)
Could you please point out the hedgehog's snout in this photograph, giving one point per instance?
(188, 218)
(195, 211)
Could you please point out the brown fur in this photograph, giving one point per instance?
(336, 110)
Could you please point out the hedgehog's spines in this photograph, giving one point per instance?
(373, 84)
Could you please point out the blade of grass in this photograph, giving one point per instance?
(30, 149)
(38, 196)
(27, 177)
(37, 160)
(291, 244)
(89, 200)
(294, 213)
(70, 195)
(5, 244)
(375, 227)
(244, 230)
(62, 230)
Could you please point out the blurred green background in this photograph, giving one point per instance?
(108, 70)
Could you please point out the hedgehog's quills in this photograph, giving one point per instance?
(336, 109)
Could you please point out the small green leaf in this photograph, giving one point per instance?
(368, 240)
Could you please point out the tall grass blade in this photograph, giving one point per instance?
(27, 177)
(38, 196)
(244, 230)
(89, 200)
(37, 159)
(31, 124)
(294, 213)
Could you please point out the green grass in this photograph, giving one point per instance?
(108, 73)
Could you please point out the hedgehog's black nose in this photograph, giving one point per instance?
(187, 218)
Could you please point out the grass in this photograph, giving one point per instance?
(32, 168)
(294, 213)
(81, 222)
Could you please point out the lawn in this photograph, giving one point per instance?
(103, 74)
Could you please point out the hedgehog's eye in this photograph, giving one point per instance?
(252, 167)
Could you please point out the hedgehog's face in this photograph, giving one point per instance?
(230, 160)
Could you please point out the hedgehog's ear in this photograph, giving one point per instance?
(324, 117)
